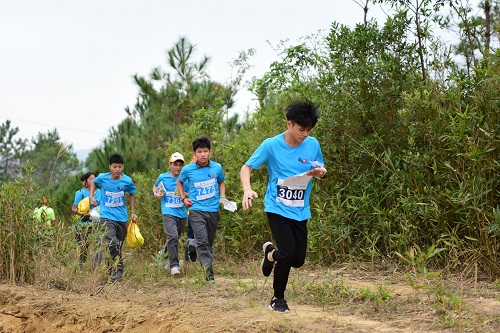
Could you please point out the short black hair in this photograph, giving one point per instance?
(86, 176)
(116, 158)
(201, 142)
(304, 113)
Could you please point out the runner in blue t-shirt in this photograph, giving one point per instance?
(83, 226)
(172, 208)
(206, 187)
(114, 217)
(292, 153)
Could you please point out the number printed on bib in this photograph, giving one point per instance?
(114, 199)
(291, 195)
(172, 200)
(205, 189)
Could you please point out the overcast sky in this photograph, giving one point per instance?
(69, 64)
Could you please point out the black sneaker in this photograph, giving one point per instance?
(192, 251)
(116, 278)
(279, 305)
(210, 279)
(267, 266)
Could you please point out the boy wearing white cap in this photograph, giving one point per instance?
(172, 208)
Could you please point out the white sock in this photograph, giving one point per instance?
(270, 256)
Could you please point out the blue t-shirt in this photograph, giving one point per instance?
(283, 161)
(113, 205)
(203, 185)
(82, 194)
(171, 203)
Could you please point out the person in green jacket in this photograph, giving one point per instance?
(44, 214)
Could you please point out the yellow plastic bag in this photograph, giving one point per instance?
(134, 238)
(84, 206)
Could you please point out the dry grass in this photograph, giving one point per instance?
(356, 297)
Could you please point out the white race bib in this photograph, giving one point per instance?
(172, 200)
(292, 194)
(114, 199)
(205, 189)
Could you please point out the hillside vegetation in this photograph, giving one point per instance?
(409, 129)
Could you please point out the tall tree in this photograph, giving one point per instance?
(10, 150)
(420, 12)
(365, 8)
(474, 32)
(487, 19)
(166, 100)
(53, 159)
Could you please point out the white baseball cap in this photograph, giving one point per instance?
(176, 157)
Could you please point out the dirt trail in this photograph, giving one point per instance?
(231, 305)
(32, 310)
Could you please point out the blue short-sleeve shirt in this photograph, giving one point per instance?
(112, 199)
(171, 203)
(203, 184)
(283, 161)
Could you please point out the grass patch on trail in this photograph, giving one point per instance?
(379, 294)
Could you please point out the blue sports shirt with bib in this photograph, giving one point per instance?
(283, 161)
(113, 205)
(171, 203)
(203, 184)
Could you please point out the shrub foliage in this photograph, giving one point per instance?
(409, 139)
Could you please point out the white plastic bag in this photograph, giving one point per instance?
(95, 214)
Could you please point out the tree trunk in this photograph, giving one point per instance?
(420, 46)
(487, 23)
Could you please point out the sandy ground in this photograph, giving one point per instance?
(239, 304)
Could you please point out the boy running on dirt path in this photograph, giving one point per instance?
(172, 208)
(286, 203)
(114, 216)
(206, 188)
(190, 251)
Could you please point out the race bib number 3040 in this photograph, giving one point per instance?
(291, 195)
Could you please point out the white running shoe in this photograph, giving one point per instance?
(175, 271)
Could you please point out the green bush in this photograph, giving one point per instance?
(21, 238)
